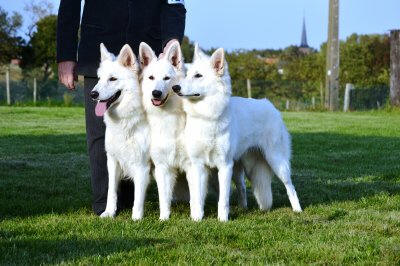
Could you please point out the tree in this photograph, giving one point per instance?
(187, 49)
(41, 50)
(37, 10)
(365, 60)
(10, 43)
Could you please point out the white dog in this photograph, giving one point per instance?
(127, 132)
(167, 122)
(221, 129)
(166, 118)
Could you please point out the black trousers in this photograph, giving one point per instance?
(95, 133)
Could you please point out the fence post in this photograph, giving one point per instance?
(346, 104)
(34, 90)
(313, 102)
(287, 104)
(321, 92)
(395, 67)
(8, 86)
(248, 88)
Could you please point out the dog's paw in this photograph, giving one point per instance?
(164, 216)
(137, 215)
(223, 216)
(197, 215)
(107, 214)
(297, 209)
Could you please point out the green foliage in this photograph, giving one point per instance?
(68, 99)
(10, 43)
(369, 98)
(365, 60)
(187, 49)
(41, 51)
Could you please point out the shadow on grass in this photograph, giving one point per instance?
(50, 174)
(333, 167)
(35, 251)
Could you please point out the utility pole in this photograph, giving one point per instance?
(395, 67)
(332, 58)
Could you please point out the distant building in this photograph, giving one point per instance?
(304, 48)
(15, 62)
(271, 60)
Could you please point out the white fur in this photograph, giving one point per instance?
(127, 131)
(166, 121)
(221, 129)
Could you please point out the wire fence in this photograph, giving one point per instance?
(51, 93)
(48, 93)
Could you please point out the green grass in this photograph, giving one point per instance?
(345, 168)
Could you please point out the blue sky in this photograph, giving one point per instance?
(235, 24)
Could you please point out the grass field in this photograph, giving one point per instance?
(345, 168)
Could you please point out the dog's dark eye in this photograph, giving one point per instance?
(112, 79)
(151, 77)
(167, 78)
(198, 75)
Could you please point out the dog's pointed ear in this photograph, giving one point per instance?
(174, 55)
(127, 58)
(146, 54)
(198, 53)
(104, 53)
(218, 61)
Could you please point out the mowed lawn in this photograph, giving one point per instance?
(346, 169)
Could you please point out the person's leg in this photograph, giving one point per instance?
(95, 133)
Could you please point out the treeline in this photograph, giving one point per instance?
(290, 73)
(38, 48)
(293, 73)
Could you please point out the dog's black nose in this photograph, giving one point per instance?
(157, 93)
(176, 88)
(94, 95)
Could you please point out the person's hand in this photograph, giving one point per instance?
(166, 48)
(67, 74)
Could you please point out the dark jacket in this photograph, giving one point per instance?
(115, 23)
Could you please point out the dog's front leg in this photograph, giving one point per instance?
(197, 180)
(165, 183)
(224, 179)
(141, 179)
(114, 175)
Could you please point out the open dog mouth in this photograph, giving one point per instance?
(158, 102)
(189, 95)
(103, 105)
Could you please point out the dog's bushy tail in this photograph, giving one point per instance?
(260, 176)
(261, 185)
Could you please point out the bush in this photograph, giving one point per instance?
(68, 99)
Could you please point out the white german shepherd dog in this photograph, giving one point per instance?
(166, 118)
(167, 122)
(127, 131)
(221, 129)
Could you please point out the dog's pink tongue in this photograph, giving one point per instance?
(101, 108)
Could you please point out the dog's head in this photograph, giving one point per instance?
(206, 76)
(160, 75)
(117, 75)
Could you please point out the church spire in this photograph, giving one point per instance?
(304, 43)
